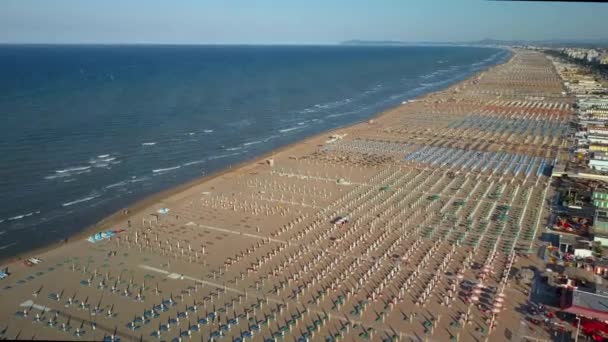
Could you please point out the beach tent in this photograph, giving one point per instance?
(101, 236)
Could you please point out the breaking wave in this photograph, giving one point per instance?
(80, 200)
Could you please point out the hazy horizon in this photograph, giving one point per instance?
(265, 22)
(329, 44)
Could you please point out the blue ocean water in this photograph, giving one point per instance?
(87, 130)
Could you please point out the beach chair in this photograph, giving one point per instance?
(4, 273)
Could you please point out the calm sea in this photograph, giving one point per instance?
(87, 130)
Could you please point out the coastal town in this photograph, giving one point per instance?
(476, 213)
(599, 56)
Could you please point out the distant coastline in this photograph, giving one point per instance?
(357, 42)
(588, 43)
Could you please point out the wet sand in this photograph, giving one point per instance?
(444, 197)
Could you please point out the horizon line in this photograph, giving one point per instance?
(396, 43)
(368, 42)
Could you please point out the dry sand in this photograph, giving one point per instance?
(250, 253)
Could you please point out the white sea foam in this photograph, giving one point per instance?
(224, 155)
(7, 245)
(207, 131)
(252, 142)
(73, 169)
(329, 105)
(59, 175)
(115, 185)
(489, 59)
(338, 115)
(148, 144)
(272, 137)
(166, 169)
(80, 200)
(308, 110)
(233, 148)
(19, 217)
(285, 130)
(194, 162)
(333, 104)
(100, 161)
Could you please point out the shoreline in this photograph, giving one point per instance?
(143, 204)
(388, 213)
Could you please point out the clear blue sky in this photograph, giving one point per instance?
(293, 21)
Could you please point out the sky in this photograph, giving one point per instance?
(294, 21)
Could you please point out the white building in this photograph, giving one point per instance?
(598, 164)
(598, 139)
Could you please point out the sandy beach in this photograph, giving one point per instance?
(408, 226)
